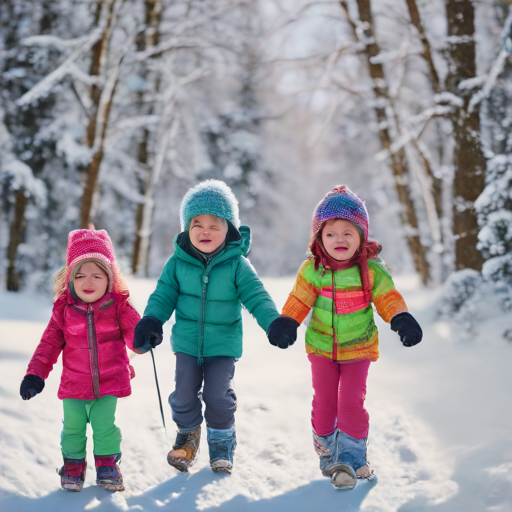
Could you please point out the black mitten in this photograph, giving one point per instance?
(31, 385)
(409, 330)
(148, 334)
(282, 332)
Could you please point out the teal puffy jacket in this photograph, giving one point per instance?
(208, 298)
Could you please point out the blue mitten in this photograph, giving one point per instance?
(409, 330)
(31, 385)
(148, 334)
(282, 332)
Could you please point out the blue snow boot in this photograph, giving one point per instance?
(72, 474)
(352, 451)
(342, 475)
(221, 445)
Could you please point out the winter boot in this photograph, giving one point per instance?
(72, 474)
(108, 474)
(221, 445)
(352, 451)
(184, 452)
(342, 475)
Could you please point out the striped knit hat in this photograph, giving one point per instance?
(212, 197)
(90, 245)
(341, 203)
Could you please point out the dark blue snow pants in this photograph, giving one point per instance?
(215, 375)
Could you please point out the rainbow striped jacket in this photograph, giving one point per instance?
(343, 329)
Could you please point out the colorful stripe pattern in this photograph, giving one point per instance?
(344, 329)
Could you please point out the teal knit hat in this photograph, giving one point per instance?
(212, 197)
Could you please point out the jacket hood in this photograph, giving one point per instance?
(245, 242)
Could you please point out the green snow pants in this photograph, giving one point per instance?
(100, 413)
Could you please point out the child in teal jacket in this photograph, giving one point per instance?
(205, 283)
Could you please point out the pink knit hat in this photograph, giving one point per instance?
(90, 244)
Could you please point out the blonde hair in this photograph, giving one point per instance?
(61, 279)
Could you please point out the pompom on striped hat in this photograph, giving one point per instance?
(212, 197)
(90, 244)
(341, 203)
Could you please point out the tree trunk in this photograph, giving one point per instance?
(142, 155)
(15, 239)
(165, 134)
(23, 123)
(149, 39)
(468, 159)
(397, 160)
(97, 55)
(415, 16)
(93, 171)
(97, 68)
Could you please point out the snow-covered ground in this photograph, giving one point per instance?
(441, 425)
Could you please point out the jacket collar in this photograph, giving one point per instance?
(237, 243)
(105, 301)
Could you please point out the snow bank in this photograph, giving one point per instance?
(440, 437)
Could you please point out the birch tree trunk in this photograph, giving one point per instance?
(435, 82)
(468, 159)
(165, 133)
(397, 160)
(97, 69)
(149, 39)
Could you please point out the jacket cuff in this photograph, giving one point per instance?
(296, 309)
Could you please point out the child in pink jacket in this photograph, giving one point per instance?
(92, 323)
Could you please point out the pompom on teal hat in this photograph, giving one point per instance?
(212, 197)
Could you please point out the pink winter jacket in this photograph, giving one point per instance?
(93, 340)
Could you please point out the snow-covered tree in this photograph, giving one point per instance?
(494, 206)
(27, 143)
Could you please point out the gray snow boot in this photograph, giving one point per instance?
(221, 445)
(342, 475)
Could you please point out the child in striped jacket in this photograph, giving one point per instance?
(340, 281)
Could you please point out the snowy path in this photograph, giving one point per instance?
(441, 418)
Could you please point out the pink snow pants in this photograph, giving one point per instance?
(339, 394)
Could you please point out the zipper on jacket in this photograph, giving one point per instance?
(334, 335)
(93, 351)
(203, 312)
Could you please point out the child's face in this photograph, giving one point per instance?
(90, 282)
(341, 239)
(207, 232)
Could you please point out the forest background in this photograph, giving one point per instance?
(111, 109)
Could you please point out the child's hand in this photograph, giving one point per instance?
(409, 330)
(31, 385)
(148, 334)
(282, 332)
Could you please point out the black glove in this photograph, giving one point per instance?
(148, 334)
(31, 385)
(282, 332)
(409, 330)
